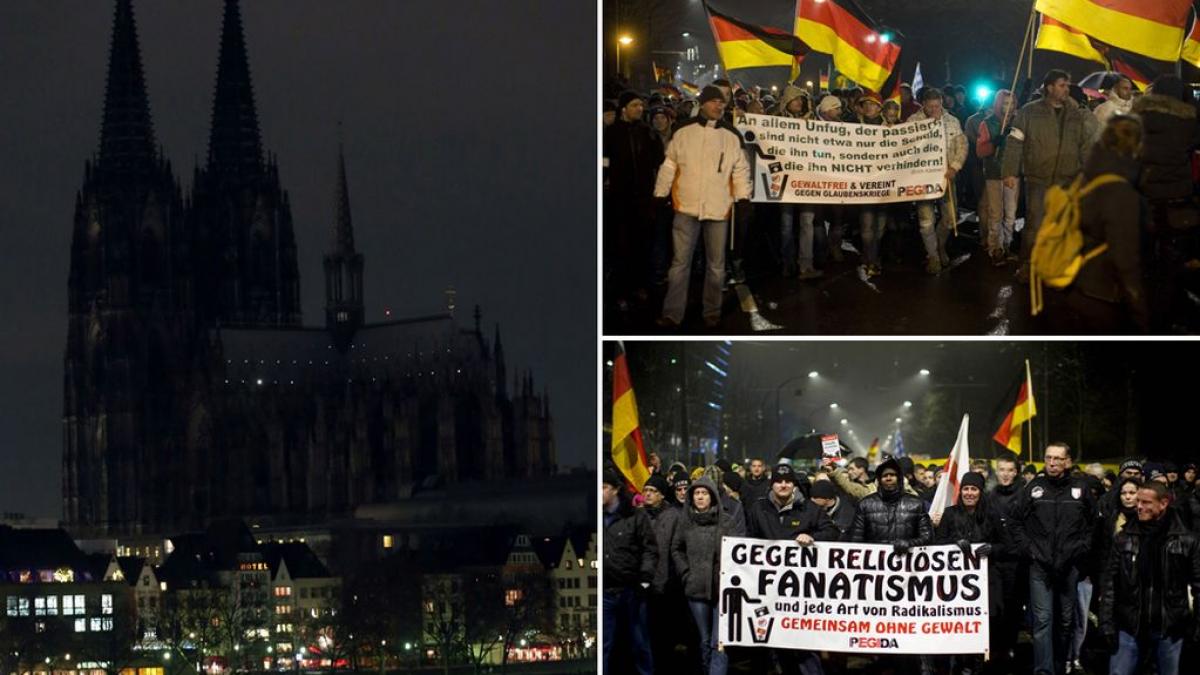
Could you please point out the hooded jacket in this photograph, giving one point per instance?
(705, 170)
(1054, 520)
(630, 549)
(1130, 596)
(1112, 214)
(791, 93)
(891, 518)
(1047, 146)
(1170, 134)
(768, 520)
(696, 548)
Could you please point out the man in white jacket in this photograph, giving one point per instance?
(1120, 100)
(956, 156)
(704, 173)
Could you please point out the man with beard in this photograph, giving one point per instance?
(1054, 523)
(1152, 565)
(891, 516)
(787, 514)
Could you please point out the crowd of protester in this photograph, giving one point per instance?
(1076, 555)
(674, 180)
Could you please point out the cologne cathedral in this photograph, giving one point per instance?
(192, 388)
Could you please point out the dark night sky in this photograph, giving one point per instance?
(467, 130)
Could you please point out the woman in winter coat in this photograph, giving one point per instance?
(696, 553)
(972, 521)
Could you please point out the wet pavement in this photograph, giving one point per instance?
(970, 297)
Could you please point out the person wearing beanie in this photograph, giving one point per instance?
(665, 601)
(1054, 523)
(973, 527)
(679, 488)
(729, 505)
(630, 566)
(733, 485)
(608, 110)
(631, 157)
(696, 555)
(840, 510)
(705, 174)
(891, 516)
(724, 465)
(787, 515)
(830, 109)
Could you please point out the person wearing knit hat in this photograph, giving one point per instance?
(890, 515)
(703, 199)
(1130, 468)
(679, 488)
(631, 155)
(732, 483)
(973, 527)
(786, 515)
(830, 109)
(608, 111)
(664, 602)
(840, 510)
(630, 562)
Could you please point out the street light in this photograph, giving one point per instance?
(812, 374)
(898, 420)
(686, 34)
(924, 372)
(623, 41)
(845, 422)
(908, 404)
(833, 406)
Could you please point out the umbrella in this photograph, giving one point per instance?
(1098, 81)
(807, 446)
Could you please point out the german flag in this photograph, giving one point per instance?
(1191, 46)
(628, 450)
(824, 79)
(745, 45)
(662, 75)
(1150, 28)
(1009, 433)
(864, 54)
(690, 88)
(1056, 36)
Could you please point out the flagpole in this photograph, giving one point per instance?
(1012, 99)
(1029, 397)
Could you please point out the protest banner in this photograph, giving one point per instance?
(844, 597)
(818, 162)
(830, 447)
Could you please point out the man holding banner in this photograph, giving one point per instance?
(956, 156)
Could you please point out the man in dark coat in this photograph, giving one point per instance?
(630, 564)
(632, 156)
(890, 515)
(1007, 563)
(757, 484)
(666, 602)
(1172, 133)
(1152, 565)
(841, 510)
(787, 514)
(1054, 524)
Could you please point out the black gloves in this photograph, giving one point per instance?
(901, 546)
(964, 546)
(984, 551)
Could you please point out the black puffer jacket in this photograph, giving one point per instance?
(1112, 214)
(630, 549)
(696, 548)
(1129, 597)
(1171, 133)
(1054, 521)
(666, 519)
(843, 515)
(767, 520)
(891, 518)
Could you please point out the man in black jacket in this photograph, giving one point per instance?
(666, 602)
(787, 514)
(1007, 565)
(841, 510)
(1149, 571)
(630, 563)
(1053, 525)
(757, 484)
(890, 515)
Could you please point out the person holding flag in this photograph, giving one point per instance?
(1054, 523)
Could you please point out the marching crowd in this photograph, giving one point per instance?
(676, 173)
(1073, 551)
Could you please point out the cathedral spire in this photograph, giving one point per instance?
(126, 132)
(343, 227)
(234, 143)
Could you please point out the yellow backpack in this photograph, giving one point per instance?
(1058, 252)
